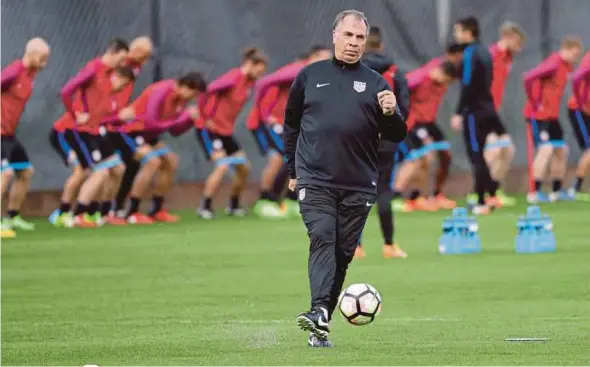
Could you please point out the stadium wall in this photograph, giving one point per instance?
(208, 35)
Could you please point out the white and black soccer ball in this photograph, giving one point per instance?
(359, 304)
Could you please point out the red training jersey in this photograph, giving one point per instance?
(224, 100)
(544, 87)
(425, 95)
(65, 122)
(501, 65)
(581, 86)
(17, 87)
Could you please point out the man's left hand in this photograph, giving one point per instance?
(387, 102)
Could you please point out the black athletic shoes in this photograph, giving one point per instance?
(316, 322)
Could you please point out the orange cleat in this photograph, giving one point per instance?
(494, 202)
(444, 203)
(425, 205)
(164, 216)
(393, 252)
(113, 220)
(80, 221)
(139, 218)
(409, 206)
(359, 253)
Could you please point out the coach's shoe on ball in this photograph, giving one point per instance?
(19, 223)
(313, 341)
(481, 210)
(393, 252)
(316, 322)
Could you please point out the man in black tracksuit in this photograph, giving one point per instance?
(376, 60)
(336, 112)
(476, 114)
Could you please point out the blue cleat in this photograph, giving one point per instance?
(538, 197)
(314, 342)
(53, 216)
(561, 195)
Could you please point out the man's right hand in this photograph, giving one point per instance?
(127, 114)
(82, 118)
(292, 184)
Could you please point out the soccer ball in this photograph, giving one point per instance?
(359, 304)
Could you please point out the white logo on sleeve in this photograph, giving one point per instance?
(318, 85)
(301, 194)
(359, 86)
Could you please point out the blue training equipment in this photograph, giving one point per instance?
(460, 234)
(53, 216)
(534, 233)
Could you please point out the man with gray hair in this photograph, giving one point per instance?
(336, 114)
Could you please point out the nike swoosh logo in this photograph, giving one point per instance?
(321, 85)
(321, 322)
(369, 204)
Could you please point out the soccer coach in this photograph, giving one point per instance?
(336, 114)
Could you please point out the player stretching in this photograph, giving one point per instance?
(376, 60)
(266, 123)
(579, 114)
(17, 87)
(544, 86)
(219, 108)
(140, 51)
(475, 113)
(499, 149)
(161, 107)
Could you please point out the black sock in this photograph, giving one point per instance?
(415, 194)
(80, 209)
(269, 195)
(234, 202)
(493, 188)
(578, 184)
(157, 203)
(556, 185)
(292, 195)
(385, 217)
(64, 207)
(92, 207)
(436, 193)
(134, 206)
(481, 198)
(206, 205)
(12, 213)
(105, 208)
(538, 185)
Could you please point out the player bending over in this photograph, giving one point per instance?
(544, 86)
(219, 108)
(16, 168)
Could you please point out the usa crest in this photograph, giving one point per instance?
(301, 194)
(359, 86)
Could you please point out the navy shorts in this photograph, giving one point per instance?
(59, 143)
(581, 126)
(14, 155)
(211, 142)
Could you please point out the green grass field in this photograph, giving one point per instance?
(227, 292)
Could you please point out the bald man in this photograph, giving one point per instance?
(17, 87)
(140, 51)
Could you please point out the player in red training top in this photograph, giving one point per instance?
(17, 87)
(219, 109)
(579, 114)
(499, 149)
(140, 51)
(161, 107)
(544, 86)
(265, 121)
(427, 85)
(88, 98)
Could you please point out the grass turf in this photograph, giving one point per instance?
(227, 292)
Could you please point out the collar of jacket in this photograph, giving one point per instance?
(345, 65)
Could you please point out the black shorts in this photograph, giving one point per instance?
(211, 142)
(581, 125)
(125, 145)
(59, 142)
(495, 125)
(269, 137)
(385, 168)
(429, 130)
(87, 148)
(547, 132)
(14, 155)
(407, 149)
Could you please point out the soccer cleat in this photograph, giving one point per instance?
(561, 195)
(420, 204)
(537, 197)
(139, 218)
(316, 322)
(359, 253)
(205, 214)
(481, 210)
(505, 199)
(6, 231)
(19, 223)
(494, 202)
(165, 217)
(235, 212)
(397, 205)
(80, 221)
(269, 209)
(394, 252)
(114, 220)
(65, 220)
(471, 199)
(444, 203)
(314, 341)
(95, 218)
(579, 196)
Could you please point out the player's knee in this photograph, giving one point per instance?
(26, 174)
(118, 171)
(322, 234)
(153, 164)
(445, 156)
(7, 175)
